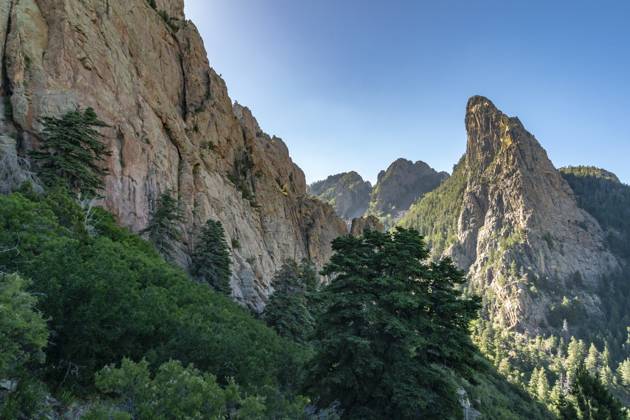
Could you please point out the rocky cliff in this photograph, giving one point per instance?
(509, 217)
(362, 224)
(347, 192)
(172, 125)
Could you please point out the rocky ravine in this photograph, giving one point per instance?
(516, 226)
(171, 123)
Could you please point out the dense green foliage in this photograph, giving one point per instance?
(72, 152)
(23, 332)
(178, 392)
(548, 367)
(23, 336)
(289, 310)
(164, 229)
(391, 327)
(109, 295)
(593, 400)
(211, 257)
(437, 213)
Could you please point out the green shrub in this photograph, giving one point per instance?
(175, 391)
(110, 296)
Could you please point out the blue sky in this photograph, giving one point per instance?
(355, 84)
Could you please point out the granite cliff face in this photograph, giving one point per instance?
(510, 218)
(397, 188)
(171, 124)
(347, 192)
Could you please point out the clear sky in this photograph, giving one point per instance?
(355, 84)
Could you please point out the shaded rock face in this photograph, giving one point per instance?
(519, 231)
(397, 188)
(347, 192)
(172, 126)
(401, 185)
(362, 224)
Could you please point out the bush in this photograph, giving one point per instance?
(23, 335)
(175, 391)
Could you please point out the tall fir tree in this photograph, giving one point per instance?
(592, 360)
(73, 152)
(288, 310)
(624, 372)
(593, 400)
(211, 257)
(391, 325)
(164, 229)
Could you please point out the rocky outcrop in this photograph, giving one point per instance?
(362, 224)
(528, 247)
(401, 185)
(347, 192)
(171, 125)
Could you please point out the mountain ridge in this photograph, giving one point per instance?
(397, 187)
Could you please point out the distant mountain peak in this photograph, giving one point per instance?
(397, 188)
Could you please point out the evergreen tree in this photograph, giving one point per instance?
(163, 229)
(542, 387)
(566, 410)
(593, 400)
(533, 381)
(592, 360)
(288, 308)
(211, 257)
(390, 325)
(624, 372)
(72, 152)
(575, 357)
(606, 375)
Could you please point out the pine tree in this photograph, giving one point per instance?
(593, 400)
(164, 225)
(72, 152)
(390, 325)
(211, 257)
(288, 308)
(575, 356)
(533, 382)
(592, 360)
(606, 375)
(624, 372)
(542, 387)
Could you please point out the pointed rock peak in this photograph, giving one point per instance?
(490, 131)
(480, 104)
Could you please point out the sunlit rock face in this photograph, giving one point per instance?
(171, 126)
(518, 230)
